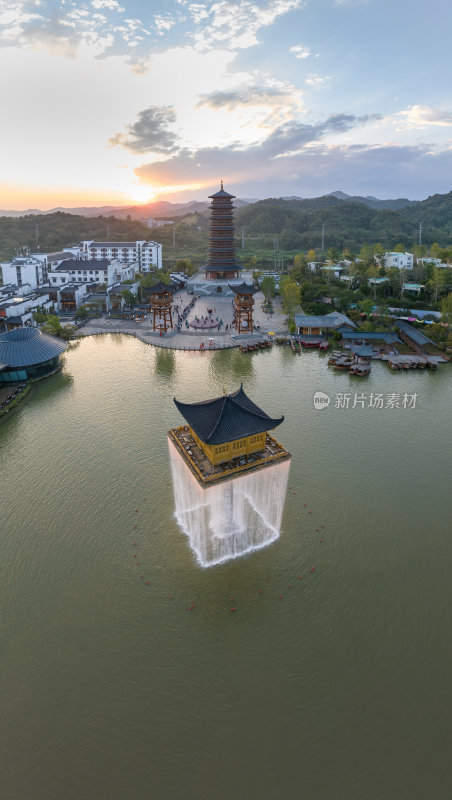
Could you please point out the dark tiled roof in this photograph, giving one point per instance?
(226, 418)
(158, 288)
(363, 350)
(243, 288)
(74, 264)
(379, 336)
(25, 347)
(413, 333)
(221, 193)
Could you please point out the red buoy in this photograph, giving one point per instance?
(136, 509)
(134, 555)
(300, 577)
(260, 591)
(305, 504)
(147, 583)
(280, 597)
(138, 563)
(312, 569)
(232, 609)
(290, 585)
(321, 540)
(317, 530)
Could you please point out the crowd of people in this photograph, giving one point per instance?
(17, 390)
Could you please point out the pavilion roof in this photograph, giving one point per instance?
(244, 288)
(158, 288)
(24, 347)
(227, 418)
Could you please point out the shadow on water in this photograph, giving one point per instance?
(231, 367)
(165, 362)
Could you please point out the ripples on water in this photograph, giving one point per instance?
(113, 689)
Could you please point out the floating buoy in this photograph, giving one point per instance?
(300, 577)
(141, 576)
(309, 512)
(290, 585)
(136, 509)
(147, 583)
(321, 540)
(138, 563)
(232, 609)
(312, 569)
(322, 526)
(231, 599)
(135, 544)
(171, 597)
(305, 504)
(317, 530)
(135, 526)
(134, 555)
(260, 591)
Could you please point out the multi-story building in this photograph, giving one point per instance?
(148, 255)
(22, 270)
(93, 270)
(399, 260)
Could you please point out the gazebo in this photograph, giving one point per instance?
(160, 297)
(243, 306)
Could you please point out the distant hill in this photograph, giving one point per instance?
(373, 202)
(159, 209)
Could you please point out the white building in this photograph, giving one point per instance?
(148, 255)
(22, 270)
(99, 271)
(16, 311)
(157, 223)
(399, 260)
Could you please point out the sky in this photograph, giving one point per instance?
(118, 101)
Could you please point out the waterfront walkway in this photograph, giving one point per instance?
(188, 338)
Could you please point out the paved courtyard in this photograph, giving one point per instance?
(190, 338)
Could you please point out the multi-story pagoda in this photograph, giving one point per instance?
(226, 436)
(243, 307)
(222, 264)
(158, 300)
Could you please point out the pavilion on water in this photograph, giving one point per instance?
(158, 301)
(222, 263)
(243, 307)
(226, 436)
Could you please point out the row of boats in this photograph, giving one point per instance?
(261, 345)
(412, 363)
(340, 360)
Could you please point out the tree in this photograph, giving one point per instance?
(312, 256)
(268, 288)
(446, 310)
(399, 248)
(129, 297)
(436, 283)
(290, 293)
(82, 312)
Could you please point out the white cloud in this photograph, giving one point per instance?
(236, 25)
(420, 117)
(300, 51)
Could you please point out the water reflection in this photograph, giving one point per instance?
(165, 362)
(230, 366)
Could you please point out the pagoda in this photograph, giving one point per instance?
(222, 263)
(243, 307)
(159, 299)
(226, 436)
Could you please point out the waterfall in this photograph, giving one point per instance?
(233, 517)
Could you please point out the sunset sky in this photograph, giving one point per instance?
(120, 101)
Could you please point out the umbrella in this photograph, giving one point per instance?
(271, 333)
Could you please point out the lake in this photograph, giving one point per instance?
(333, 685)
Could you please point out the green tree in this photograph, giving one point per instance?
(400, 248)
(268, 288)
(437, 283)
(290, 293)
(446, 310)
(129, 297)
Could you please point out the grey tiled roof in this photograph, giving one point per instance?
(413, 333)
(25, 347)
(227, 418)
(380, 336)
(332, 320)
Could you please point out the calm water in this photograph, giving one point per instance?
(110, 689)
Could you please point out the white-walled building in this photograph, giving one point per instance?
(85, 271)
(157, 223)
(399, 260)
(148, 255)
(16, 311)
(23, 270)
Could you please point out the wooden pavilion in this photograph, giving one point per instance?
(243, 307)
(158, 300)
(226, 436)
